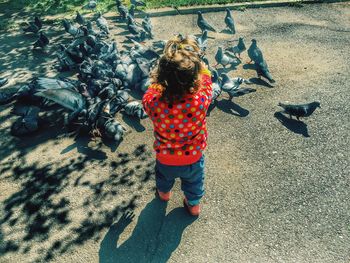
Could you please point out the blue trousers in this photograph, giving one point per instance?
(192, 179)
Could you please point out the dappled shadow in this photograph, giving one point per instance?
(232, 108)
(295, 126)
(154, 238)
(133, 122)
(42, 205)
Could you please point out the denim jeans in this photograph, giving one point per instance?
(192, 179)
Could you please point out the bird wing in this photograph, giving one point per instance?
(65, 97)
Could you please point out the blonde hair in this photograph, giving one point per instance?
(178, 69)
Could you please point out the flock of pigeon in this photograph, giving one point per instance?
(106, 75)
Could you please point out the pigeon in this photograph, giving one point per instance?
(301, 110)
(91, 5)
(137, 3)
(135, 109)
(102, 23)
(123, 11)
(52, 83)
(118, 103)
(203, 24)
(232, 85)
(34, 27)
(3, 81)
(132, 11)
(223, 59)
(203, 41)
(263, 71)
(27, 123)
(160, 44)
(114, 130)
(73, 30)
(90, 29)
(147, 26)
(238, 49)
(80, 19)
(254, 52)
(133, 28)
(216, 86)
(42, 41)
(229, 21)
(140, 38)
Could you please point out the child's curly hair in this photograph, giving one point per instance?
(178, 69)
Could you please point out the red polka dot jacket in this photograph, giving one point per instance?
(180, 129)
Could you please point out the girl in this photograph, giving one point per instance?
(177, 103)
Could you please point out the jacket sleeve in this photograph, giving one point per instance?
(207, 83)
(148, 98)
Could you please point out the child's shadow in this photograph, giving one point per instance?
(295, 126)
(154, 238)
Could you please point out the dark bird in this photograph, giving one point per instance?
(42, 41)
(133, 28)
(114, 130)
(135, 109)
(35, 26)
(138, 3)
(102, 23)
(147, 26)
(203, 24)
(230, 24)
(27, 123)
(238, 49)
(203, 41)
(80, 19)
(301, 110)
(254, 52)
(73, 30)
(91, 5)
(263, 71)
(123, 11)
(223, 59)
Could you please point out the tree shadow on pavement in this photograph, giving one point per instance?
(154, 238)
(295, 126)
(229, 106)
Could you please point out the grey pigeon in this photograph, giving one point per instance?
(203, 40)
(133, 28)
(254, 52)
(229, 21)
(138, 3)
(263, 71)
(102, 23)
(132, 11)
(203, 24)
(27, 123)
(92, 4)
(135, 109)
(216, 86)
(114, 130)
(223, 59)
(123, 11)
(147, 26)
(118, 103)
(301, 110)
(42, 41)
(80, 19)
(90, 29)
(73, 30)
(140, 37)
(232, 85)
(159, 44)
(238, 49)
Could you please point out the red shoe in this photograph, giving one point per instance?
(164, 196)
(193, 210)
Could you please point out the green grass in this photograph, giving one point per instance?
(68, 7)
